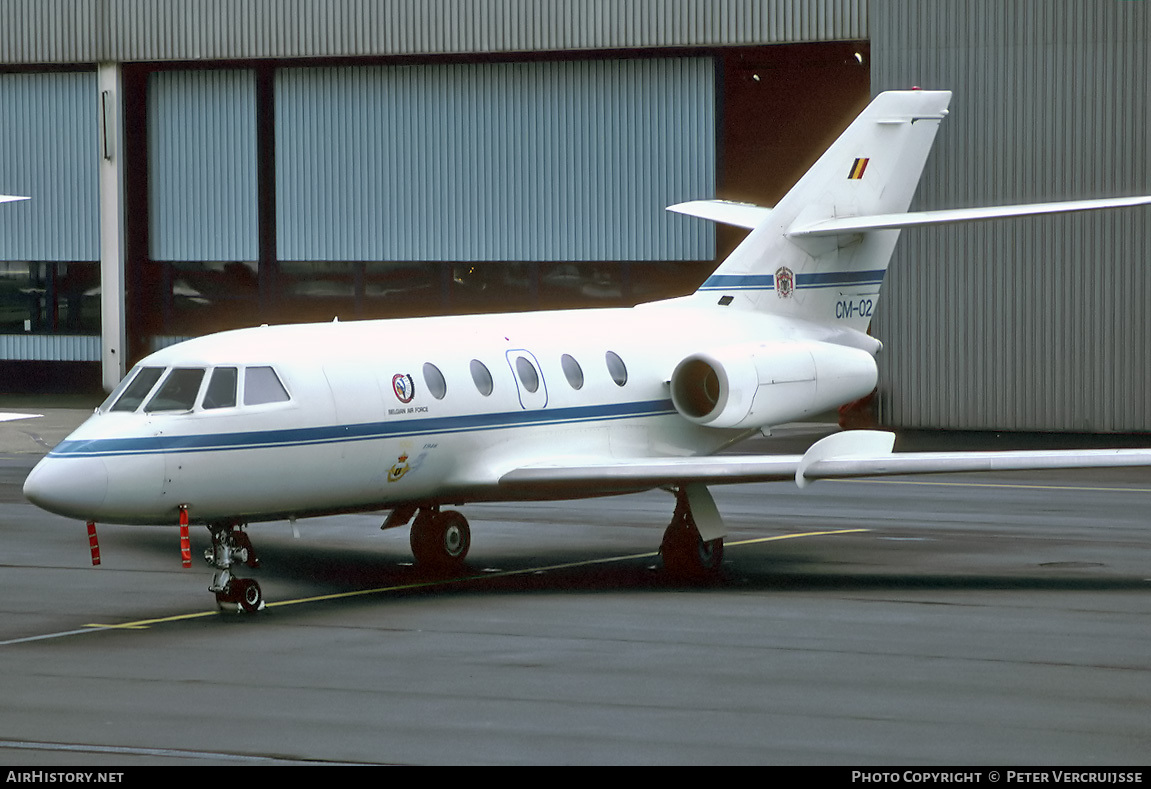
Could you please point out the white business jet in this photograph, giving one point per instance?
(415, 415)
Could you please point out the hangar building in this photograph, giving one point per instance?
(206, 164)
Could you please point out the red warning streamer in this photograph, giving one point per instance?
(185, 545)
(93, 543)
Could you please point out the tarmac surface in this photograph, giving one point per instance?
(990, 619)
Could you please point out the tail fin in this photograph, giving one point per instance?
(873, 168)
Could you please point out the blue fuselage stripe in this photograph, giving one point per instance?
(825, 279)
(366, 431)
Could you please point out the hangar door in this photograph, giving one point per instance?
(496, 161)
(50, 244)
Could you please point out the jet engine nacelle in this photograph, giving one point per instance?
(755, 385)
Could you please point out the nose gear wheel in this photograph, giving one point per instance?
(231, 544)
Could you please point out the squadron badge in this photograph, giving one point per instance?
(784, 282)
(404, 387)
(399, 468)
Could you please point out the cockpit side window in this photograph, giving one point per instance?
(138, 389)
(178, 392)
(119, 390)
(221, 392)
(262, 385)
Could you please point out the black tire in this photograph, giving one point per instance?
(441, 540)
(249, 595)
(688, 557)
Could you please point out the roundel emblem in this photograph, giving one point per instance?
(404, 387)
(784, 282)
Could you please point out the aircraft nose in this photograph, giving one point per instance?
(75, 487)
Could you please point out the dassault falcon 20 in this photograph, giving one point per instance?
(299, 420)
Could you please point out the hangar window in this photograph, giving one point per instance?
(178, 392)
(435, 381)
(262, 385)
(221, 391)
(137, 390)
(572, 371)
(616, 368)
(482, 377)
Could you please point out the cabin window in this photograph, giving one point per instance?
(221, 391)
(482, 377)
(527, 373)
(572, 371)
(435, 381)
(178, 392)
(262, 385)
(136, 391)
(616, 368)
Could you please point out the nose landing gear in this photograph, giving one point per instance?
(230, 544)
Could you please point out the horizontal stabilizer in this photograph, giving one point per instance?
(859, 224)
(725, 211)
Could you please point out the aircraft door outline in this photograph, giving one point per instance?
(530, 384)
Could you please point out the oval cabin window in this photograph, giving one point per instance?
(572, 371)
(616, 368)
(434, 379)
(482, 377)
(527, 373)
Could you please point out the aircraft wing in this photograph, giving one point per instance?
(853, 453)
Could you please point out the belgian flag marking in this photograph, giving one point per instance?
(857, 169)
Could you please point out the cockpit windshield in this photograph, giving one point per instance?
(178, 392)
(135, 392)
(177, 389)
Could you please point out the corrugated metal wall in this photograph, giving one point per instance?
(202, 165)
(48, 151)
(511, 161)
(1033, 323)
(53, 347)
(72, 31)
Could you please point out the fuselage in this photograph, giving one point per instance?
(375, 414)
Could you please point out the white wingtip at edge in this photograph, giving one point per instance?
(12, 198)
(8, 417)
(838, 446)
(726, 212)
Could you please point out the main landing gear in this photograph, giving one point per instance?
(440, 540)
(230, 544)
(686, 555)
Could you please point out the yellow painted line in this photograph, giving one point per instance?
(793, 536)
(144, 624)
(1021, 486)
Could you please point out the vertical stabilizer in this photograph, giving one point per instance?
(873, 168)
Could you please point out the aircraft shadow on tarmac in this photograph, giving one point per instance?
(840, 564)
